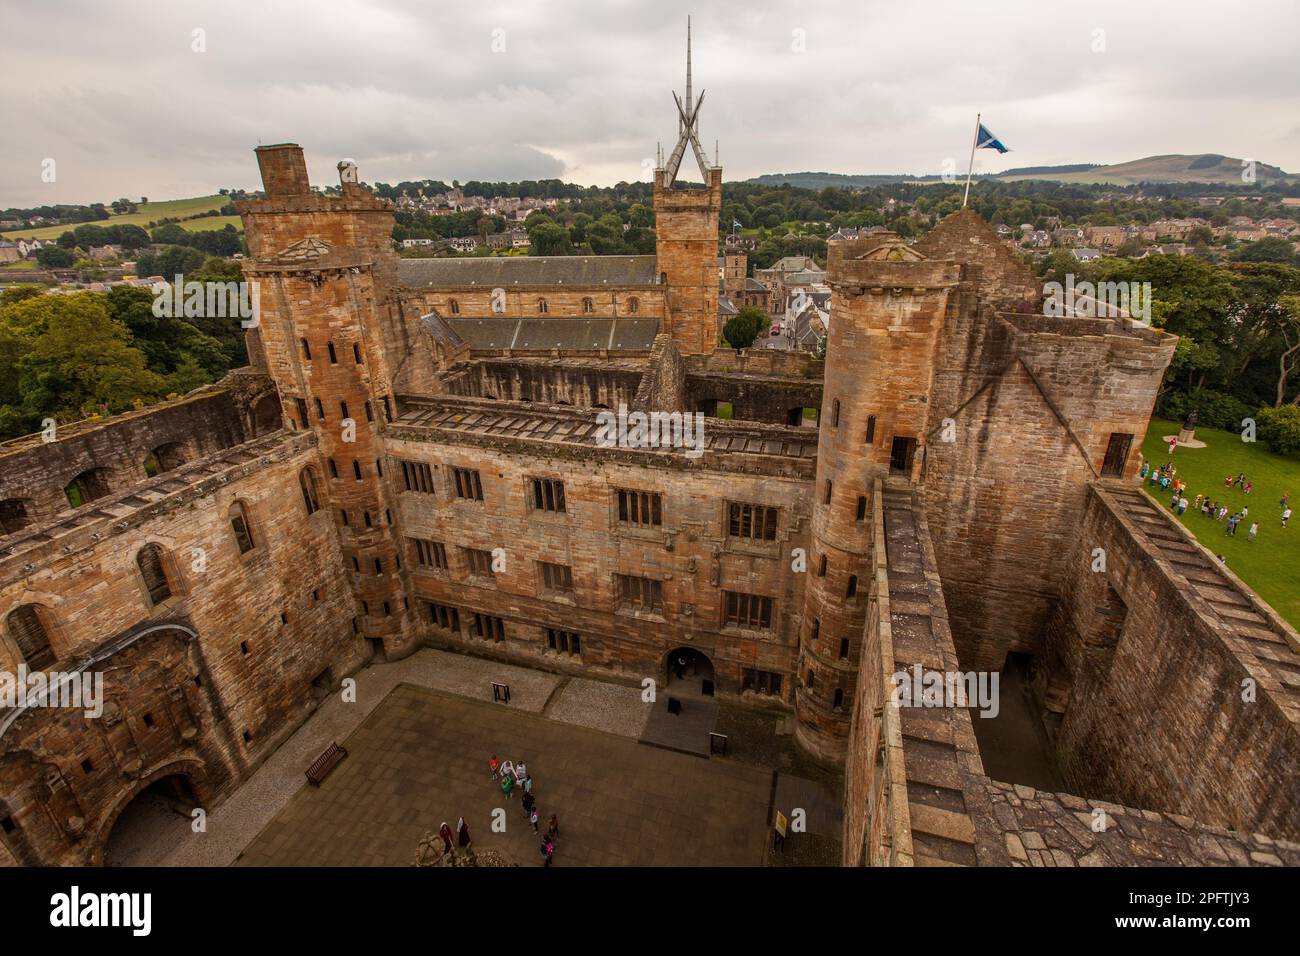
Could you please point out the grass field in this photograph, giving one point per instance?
(149, 212)
(1271, 563)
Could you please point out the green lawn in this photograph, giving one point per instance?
(149, 212)
(1271, 563)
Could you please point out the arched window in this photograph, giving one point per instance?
(169, 455)
(541, 307)
(454, 306)
(239, 524)
(307, 481)
(87, 486)
(588, 306)
(633, 305)
(15, 514)
(28, 632)
(149, 559)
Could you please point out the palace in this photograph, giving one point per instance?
(413, 459)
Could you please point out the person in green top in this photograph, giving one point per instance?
(507, 784)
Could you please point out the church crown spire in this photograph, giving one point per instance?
(688, 115)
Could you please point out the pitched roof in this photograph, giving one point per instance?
(512, 271)
(557, 332)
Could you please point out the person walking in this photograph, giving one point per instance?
(529, 803)
(1182, 506)
(548, 850)
(532, 818)
(1286, 496)
(1286, 516)
(528, 783)
(444, 831)
(507, 784)
(494, 766)
(1254, 530)
(553, 828)
(462, 834)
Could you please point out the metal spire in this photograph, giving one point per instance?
(688, 115)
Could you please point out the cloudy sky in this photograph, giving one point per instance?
(120, 96)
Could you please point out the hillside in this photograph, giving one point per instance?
(147, 213)
(1207, 168)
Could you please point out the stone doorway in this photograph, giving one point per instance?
(157, 818)
(690, 673)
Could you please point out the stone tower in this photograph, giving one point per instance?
(686, 232)
(887, 307)
(324, 268)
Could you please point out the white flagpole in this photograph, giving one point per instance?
(970, 168)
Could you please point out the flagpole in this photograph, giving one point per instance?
(970, 168)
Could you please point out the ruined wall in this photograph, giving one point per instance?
(1004, 278)
(585, 384)
(269, 623)
(34, 473)
(1020, 422)
(663, 383)
(519, 302)
(1151, 683)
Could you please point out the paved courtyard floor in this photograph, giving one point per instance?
(420, 757)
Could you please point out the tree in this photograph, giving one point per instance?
(744, 327)
(1280, 427)
(1270, 249)
(55, 257)
(548, 238)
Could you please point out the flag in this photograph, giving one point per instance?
(735, 225)
(986, 140)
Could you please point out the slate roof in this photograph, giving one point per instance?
(510, 271)
(559, 332)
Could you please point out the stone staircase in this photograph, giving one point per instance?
(1265, 644)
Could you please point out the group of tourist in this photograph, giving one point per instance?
(462, 835)
(1166, 477)
(515, 776)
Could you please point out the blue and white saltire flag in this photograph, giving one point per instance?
(735, 225)
(986, 140)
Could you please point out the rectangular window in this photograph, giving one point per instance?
(468, 483)
(844, 648)
(751, 522)
(480, 562)
(417, 476)
(548, 494)
(753, 611)
(447, 618)
(762, 682)
(1116, 455)
(871, 429)
(429, 554)
(862, 507)
(488, 628)
(556, 578)
(640, 509)
(302, 412)
(566, 642)
(640, 594)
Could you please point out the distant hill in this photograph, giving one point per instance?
(1207, 168)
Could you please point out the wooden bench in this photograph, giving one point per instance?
(327, 761)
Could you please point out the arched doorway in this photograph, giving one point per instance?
(690, 673)
(267, 415)
(157, 819)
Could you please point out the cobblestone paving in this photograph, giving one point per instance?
(421, 758)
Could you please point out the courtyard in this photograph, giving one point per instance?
(422, 757)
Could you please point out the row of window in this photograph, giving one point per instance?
(333, 354)
(632, 304)
(488, 627)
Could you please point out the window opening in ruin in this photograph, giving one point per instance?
(1116, 455)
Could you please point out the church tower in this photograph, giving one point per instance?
(324, 270)
(686, 231)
